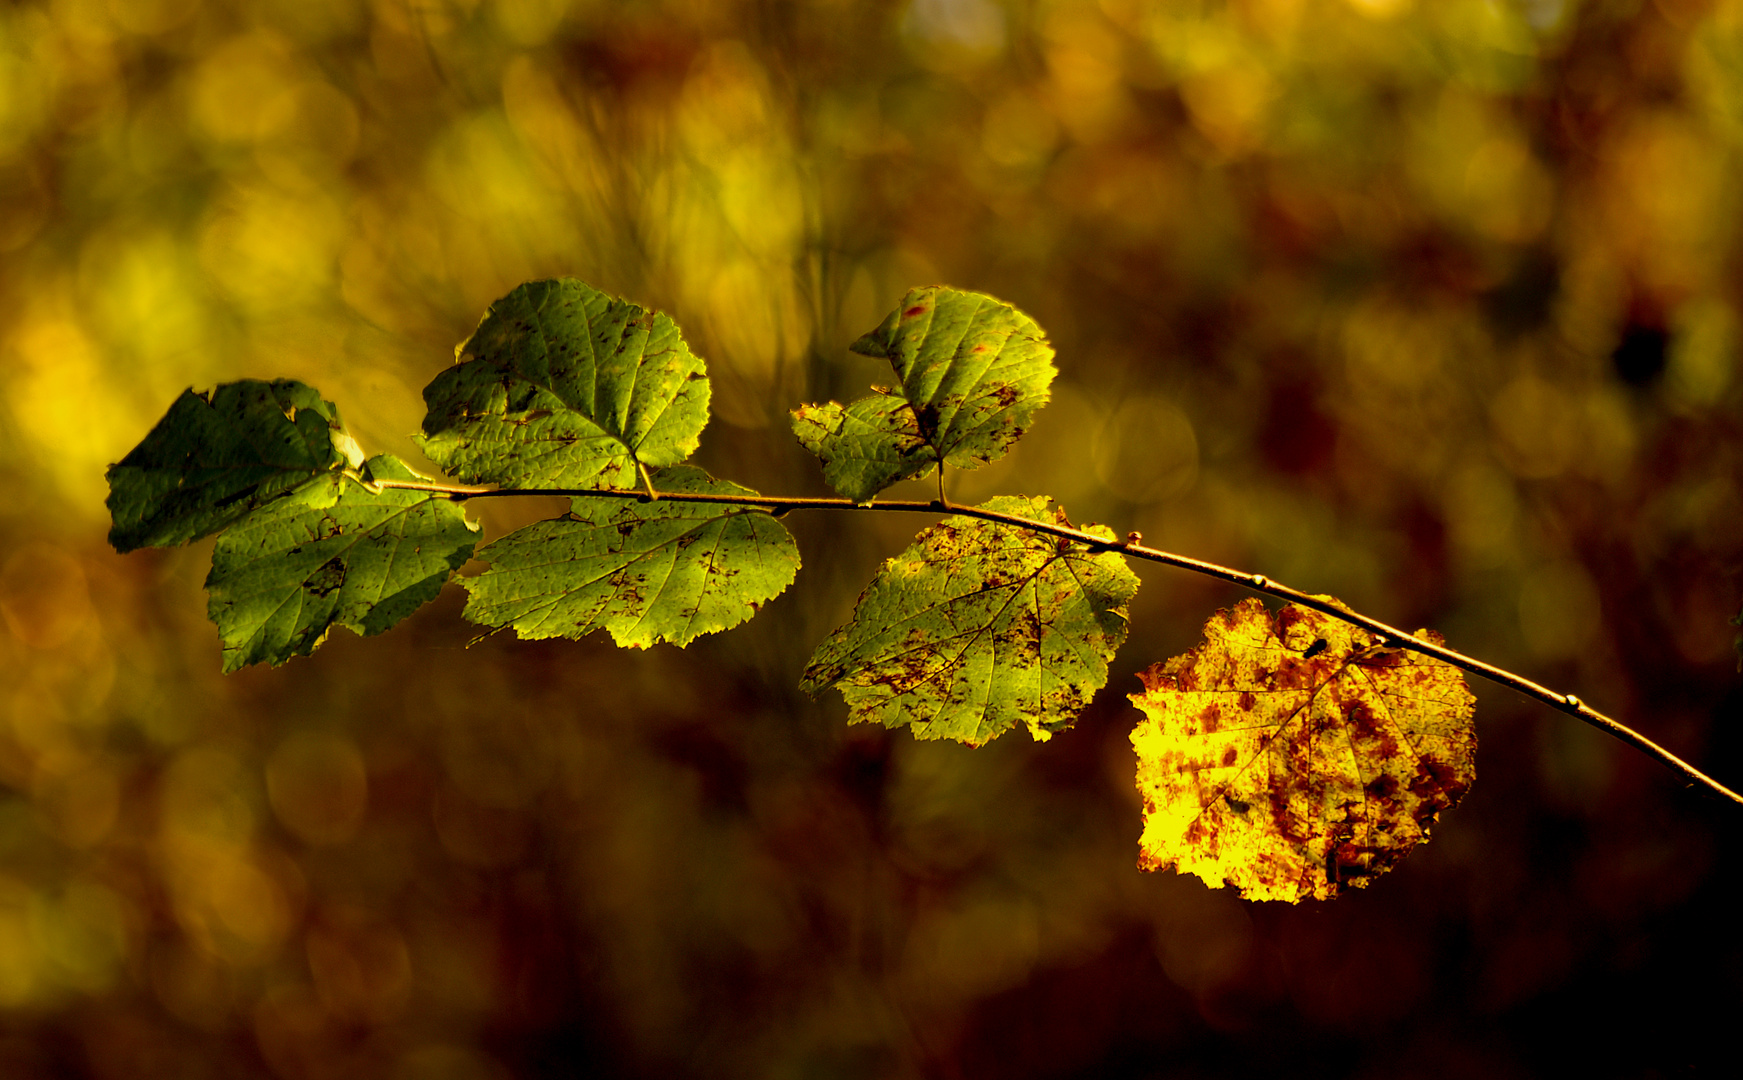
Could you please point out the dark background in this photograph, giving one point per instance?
(1430, 305)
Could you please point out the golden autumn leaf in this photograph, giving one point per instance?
(1291, 756)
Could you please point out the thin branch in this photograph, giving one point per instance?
(1132, 545)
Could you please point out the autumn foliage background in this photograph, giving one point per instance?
(1433, 306)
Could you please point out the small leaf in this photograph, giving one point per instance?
(978, 627)
(290, 571)
(1293, 757)
(564, 386)
(653, 572)
(866, 446)
(973, 371)
(215, 457)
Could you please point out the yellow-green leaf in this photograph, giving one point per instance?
(648, 573)
(979, 627)
(564, 386)
(865, 446)
(973, 370)
(362, 558)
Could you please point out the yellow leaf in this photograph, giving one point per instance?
(1292, 756)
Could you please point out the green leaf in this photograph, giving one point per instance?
(980, 626)
(215, 457)
(973, 371)
(663, 571)
(290, 571)
(564, 386)
(865, 446)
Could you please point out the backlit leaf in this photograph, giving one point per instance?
(564, 386)
(1293, 757)
(363, 559)
(216, 456)
(973, 370)
(649, 572)
(865, 446)
(979, 627)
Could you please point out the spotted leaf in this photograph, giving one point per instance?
(663, 571)
(564, 386)
(1292, 756)
(217, 456)
(979, 627)
(973, 370)
(362, 558)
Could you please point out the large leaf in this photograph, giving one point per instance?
(972, 371)
(564, 386)
(1293, 757)
(215, 457)
(978, 627)
(651, 572)
(290, 571)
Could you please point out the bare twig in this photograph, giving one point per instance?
(1390, 635)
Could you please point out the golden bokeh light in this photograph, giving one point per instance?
(1431, 305)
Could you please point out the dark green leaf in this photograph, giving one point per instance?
(215, 457)
(564, 386)
(366, 559)
(973, 371)
(979, 627)
(653, 572)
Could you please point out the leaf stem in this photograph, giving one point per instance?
(1390, 635)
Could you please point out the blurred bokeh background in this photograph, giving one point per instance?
(1429, 304)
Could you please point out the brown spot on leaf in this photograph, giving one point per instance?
(328, 577)
(1208, 719)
